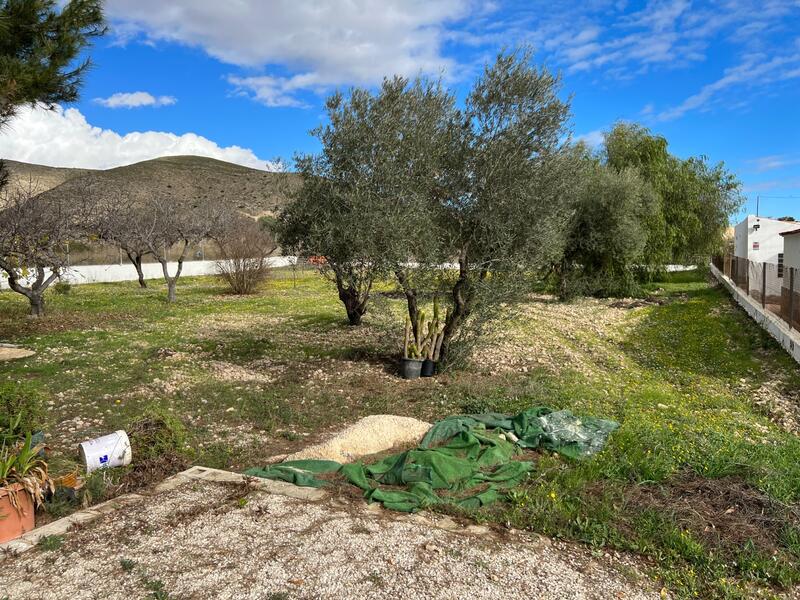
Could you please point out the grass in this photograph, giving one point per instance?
(49, 543)
(237, 380)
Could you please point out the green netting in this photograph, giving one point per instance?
(467, 460)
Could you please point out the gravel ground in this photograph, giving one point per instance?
(203, 540)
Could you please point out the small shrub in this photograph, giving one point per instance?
(244, 264)
(156, 434)
(127, 564)
(158, 440)
(20, 410)
(62, 288)
(49, 543)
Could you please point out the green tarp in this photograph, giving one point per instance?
(468, 460)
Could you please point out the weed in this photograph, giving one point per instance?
(49, 543)
(156, 588)
(375, 579)
(62, 288)
(127, 564)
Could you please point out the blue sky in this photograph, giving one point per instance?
(245, 81)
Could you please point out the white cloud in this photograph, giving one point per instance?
(754, 70)
(63, 138)
(593, 139)
(296, 45)
(623, 41)
(135, 100)
(774, 162)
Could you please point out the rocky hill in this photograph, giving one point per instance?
(186, 178)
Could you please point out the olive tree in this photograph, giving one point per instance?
(510, 190)
(364, 202)
(607, 233)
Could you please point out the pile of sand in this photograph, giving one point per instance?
(370, 435)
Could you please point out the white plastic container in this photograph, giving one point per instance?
(112, 450)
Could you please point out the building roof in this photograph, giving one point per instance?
(792, 232)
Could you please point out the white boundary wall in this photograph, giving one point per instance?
(774, 325)
(126, 271)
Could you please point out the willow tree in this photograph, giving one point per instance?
(693, 200)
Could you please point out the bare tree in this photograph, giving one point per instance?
(166, 224)
(34, 233)
(118, 222)
(245, 247)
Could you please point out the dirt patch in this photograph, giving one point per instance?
(583, 335)
(724, 513)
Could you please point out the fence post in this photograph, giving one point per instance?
(763, 285)
(791, 296)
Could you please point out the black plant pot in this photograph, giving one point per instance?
(428, 368)
(410, 368)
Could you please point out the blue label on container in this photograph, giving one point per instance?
(104, 459)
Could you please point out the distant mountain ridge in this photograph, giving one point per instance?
(40, 177)
(186, 178)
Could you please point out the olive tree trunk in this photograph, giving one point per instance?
(411, 299)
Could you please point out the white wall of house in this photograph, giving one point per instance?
(791, 249)
(762, 244)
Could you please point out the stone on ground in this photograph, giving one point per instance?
(10, 352)
(369, 435)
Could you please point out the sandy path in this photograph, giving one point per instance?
(201, 541)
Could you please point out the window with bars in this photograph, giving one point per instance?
(780, 264)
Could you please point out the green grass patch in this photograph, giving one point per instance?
(228, 381)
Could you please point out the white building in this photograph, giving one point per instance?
(759, 239)
(791, 247)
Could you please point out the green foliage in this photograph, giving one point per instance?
(21, 410)
(22, 464)
(156, 434)
(49, 543)
(39, 42)
(127, 564)
(693, 202)
(62, 288)
(608, 234)
(363, 202)
(511, 187)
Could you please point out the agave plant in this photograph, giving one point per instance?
(22, 464)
